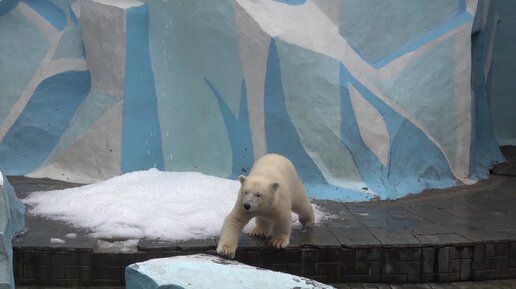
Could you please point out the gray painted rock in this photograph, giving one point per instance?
(206, 271)
(11, 222)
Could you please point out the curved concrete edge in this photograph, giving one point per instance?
(12, 221)
(184, 271)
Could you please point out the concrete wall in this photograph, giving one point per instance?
(366, 98)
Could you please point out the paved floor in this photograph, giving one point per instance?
(465, 214)
(462, 233)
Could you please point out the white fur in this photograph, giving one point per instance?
(270, 193)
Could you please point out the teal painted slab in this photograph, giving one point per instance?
(206, 271)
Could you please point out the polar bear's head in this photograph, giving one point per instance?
(257, 193)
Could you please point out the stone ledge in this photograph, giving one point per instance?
(474, 261)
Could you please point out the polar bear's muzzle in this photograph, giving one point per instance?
(250, 205)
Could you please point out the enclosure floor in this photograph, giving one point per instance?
(460, 234)
(497, 284)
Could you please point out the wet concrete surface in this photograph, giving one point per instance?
(461, 233)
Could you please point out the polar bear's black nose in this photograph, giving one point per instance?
(247, 207)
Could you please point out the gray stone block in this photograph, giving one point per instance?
(428, 261)
(443, 259)
(465, 269)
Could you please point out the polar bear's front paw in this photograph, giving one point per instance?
(259, 233)
(280, 242)
(226, 250)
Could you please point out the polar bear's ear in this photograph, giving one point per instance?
(242, 178)
(275, 187)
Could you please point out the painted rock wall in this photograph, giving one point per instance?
(366, 99)
(11, 222)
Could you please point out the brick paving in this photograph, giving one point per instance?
(466, 233)
(496, 284)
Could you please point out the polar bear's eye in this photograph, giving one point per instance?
(246, 192)
(258, 195)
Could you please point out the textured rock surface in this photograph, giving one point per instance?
(501, 84)
(216, 272)
(366, 99)
(11, 222)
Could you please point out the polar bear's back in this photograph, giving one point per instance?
(275, 166)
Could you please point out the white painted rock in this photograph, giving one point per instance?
(206, 271)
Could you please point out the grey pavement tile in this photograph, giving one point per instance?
(347, 223)
(376, 223)
(246, 241)
(426, 227)
(341, 286)
(504, 169)
(355, 286)
(394, 236)
(318, 236)
(442, 239)
(354, 237)
(336, 208)
(188, 245)
(511, 283)
(475, 285)
(442, 286)
(369, 286)
(431, 213)
(400, 214)
(509, 152)
(417, 286)
(488, 235)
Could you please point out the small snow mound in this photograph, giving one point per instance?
(126, 246)
(71, 235)
(57, 241)
(151, 204)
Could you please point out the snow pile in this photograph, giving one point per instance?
(57, 241)
(151, 204)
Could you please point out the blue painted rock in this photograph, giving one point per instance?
(206, 271)
(11, 222)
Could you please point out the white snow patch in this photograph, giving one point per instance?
(57, 241)
(126, 246)
(124, 4)
(71, 235)
(151, 204)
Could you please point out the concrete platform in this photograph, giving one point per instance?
(494, 284)
(466, 233)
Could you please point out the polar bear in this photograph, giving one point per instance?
(270, 192)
